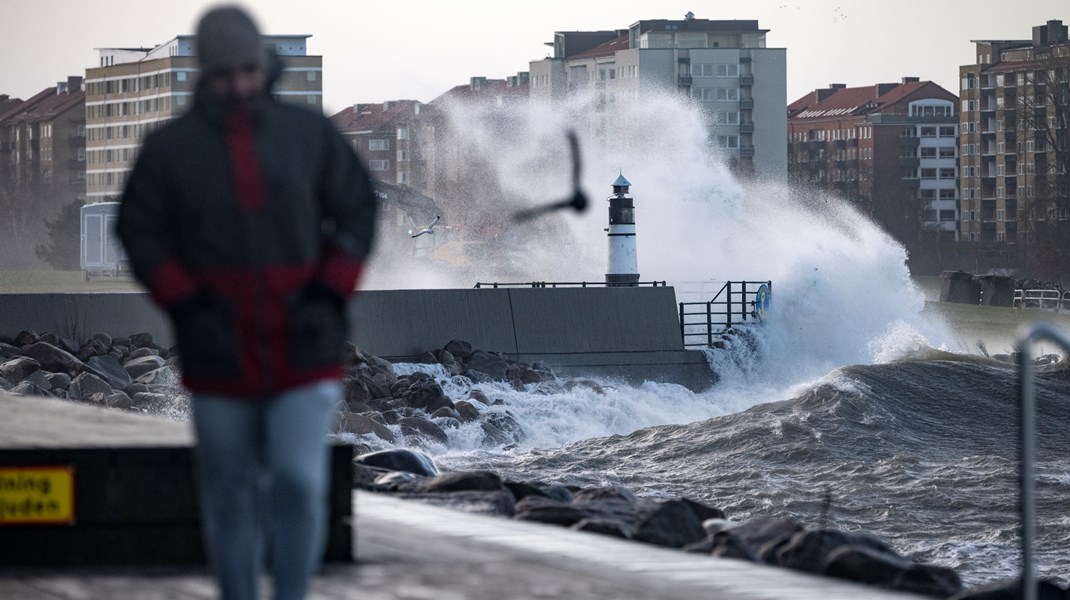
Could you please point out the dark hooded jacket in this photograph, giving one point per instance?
(250, 233)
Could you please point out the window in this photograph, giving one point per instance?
(947, 131)
(403, 177)
(947, 152)
(928, 132)
(403, 155)
(310, 75)
(929, 152)
(947, 215)
(81, 154)
(180, 76)
(311, 99)
(928, 173)
(728, 141)
(947, 194)
(947, 173)
(378, 145)
(731, 94)
(728, 118)
(702, 70)
(703, 94)
(728, 70)
(403, 133)
(379, 165)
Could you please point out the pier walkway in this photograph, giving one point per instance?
(406, 550)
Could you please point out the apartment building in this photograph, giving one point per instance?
(135, 90)
(724, 66)
(1016, 151)
(890, 148)
(382, 135)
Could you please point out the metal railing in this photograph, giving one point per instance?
(733, 304)
(557, 284)
(1028, 336)
(1042, 298)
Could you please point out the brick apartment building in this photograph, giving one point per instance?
(42, 163)
(1015, 123)
(889, 148)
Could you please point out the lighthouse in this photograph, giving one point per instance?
(623, 268)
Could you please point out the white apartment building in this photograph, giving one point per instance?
(725, 66)
(135, 90)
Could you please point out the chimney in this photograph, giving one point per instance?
(1056, 32)
(61, 87)
(477, 83)
(523, 77)
(911, 80)
(415, 108)
(822, 94)
(386, 105)
(884, 88)
(74, 83)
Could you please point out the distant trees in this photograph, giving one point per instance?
(61, 249)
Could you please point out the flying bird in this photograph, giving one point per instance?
(429, 229)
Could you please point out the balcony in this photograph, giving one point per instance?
(746, 80)
(76, 141)
(909, 141)
(852, 142)
(746, 127)
(746, 104)
(839, 144)
(746, 151)
(909, 161)
(684, 80)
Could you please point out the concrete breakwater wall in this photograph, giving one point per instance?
(631, 333)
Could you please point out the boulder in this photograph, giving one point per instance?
(93, 347)
(103, 339)
(459, 348)
(808, 550)
(396, 481)
(466, 411)
(500, 428)
(867, 565)
(16, 369)
(118, 400)
(86, 385)
(600, 526)
(142, 353)
(69, 345)
(547, 510)
(671, 524)
(54, 359)
(25, 338)
(725, 545)
(423, 427)
(7, 351)
(462, 481)
(109, 369)
(703, 512)
(422, 394)
(59, 381)
(28, 388)
(400, 459)
(151, 402)
(361, 425)
(135, 388)
(139, 366)
(491, 365)
(762, 534)
(5, 384)
(446, 413)
(356, 391)
(39, 379)
(142, 340)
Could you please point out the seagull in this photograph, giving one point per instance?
(428, 229)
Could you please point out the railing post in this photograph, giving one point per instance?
(709, 323)
(743, 301)
(728, 312)
(683, 337)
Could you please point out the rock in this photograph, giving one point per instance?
(135, 388)
(604, 494)
(119, 400)
(93, 347)
(489, 364)
(713, 526)
(5, 384)
(725, 545)
(703, 512)
(17, 369)
(110, 370)
(462, 481)
(866, 565)
(423, 427)
(86, 385)
(39, 379)
(399, 459)
(7, 351)
(28, 388)
(466, 411)
(139, 366)
(671, 524)
(142, 340)
(1010, 590)
(498, 502)
(427, 358)
(163, 376)
(59, 381)
(142, 353)
(478, 396)
(459, 348)
(103, 339)
(356, 392)
(446, 413)
(521, 490)
(53, 359)
(808, 550)
(398, 481)
(69, 345)
(25, 338)
(548, 510)
(363, 425)
(600, 526)
(422, 394)
(762, 534)
(574, 384)
(500, 428)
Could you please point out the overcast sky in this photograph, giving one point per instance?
(413, 49)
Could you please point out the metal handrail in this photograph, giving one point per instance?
(1028, 336)
(723, 317)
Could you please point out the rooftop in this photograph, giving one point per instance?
(854, 101)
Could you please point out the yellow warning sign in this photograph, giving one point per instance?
(36, 495)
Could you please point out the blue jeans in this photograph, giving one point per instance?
(262, 471)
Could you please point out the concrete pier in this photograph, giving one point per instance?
(403, 549)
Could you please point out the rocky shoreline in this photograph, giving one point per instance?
(385, 409)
